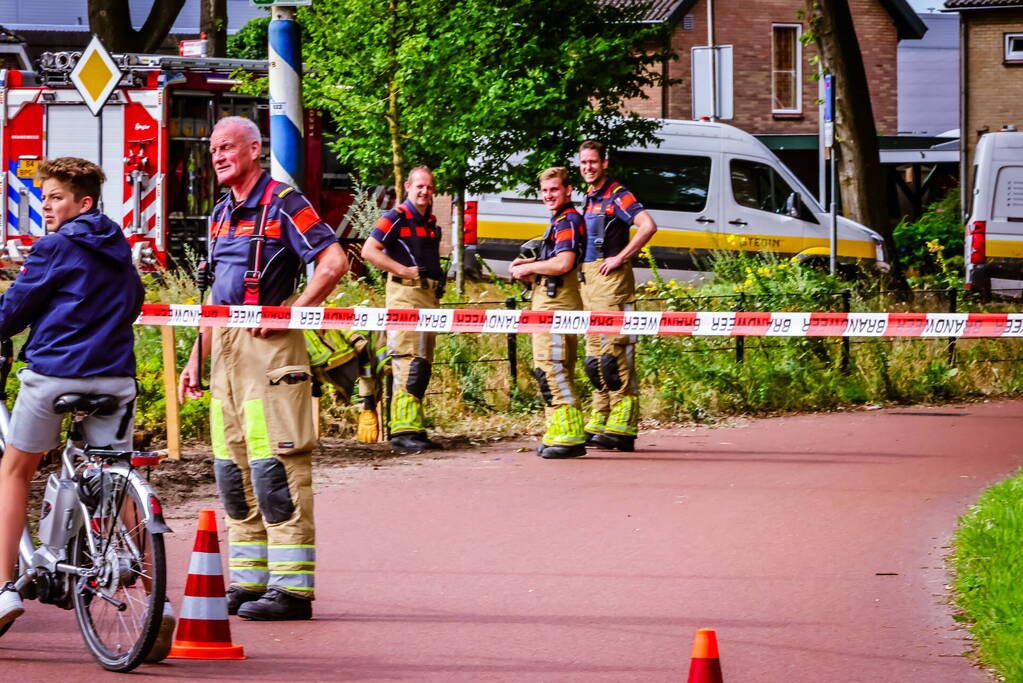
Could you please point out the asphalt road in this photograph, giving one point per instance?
(813, 544)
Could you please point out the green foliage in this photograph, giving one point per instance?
(986, 563)
(251, 41)
(461, 86)
(932, 246)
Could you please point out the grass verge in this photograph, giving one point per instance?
(987, 565)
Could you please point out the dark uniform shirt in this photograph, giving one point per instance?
(411, 238)
(615, 207)
(565, 233)
(294, 234)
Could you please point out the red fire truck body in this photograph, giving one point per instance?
(151, 138)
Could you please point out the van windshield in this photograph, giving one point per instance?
(672, 182)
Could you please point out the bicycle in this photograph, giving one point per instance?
(100, 549)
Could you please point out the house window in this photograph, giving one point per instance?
(1014, 47)
(786, 74)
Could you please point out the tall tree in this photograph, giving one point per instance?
(860, 176)
(213, 22)
(463, 86)
(111, 21)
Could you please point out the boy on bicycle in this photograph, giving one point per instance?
(80, 294)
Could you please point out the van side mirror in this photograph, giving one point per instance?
(793, 205)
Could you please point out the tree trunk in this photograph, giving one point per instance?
(393, 111)
(111, 21)
(864, 197)
(213, 22)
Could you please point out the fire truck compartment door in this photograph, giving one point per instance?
(72, 131)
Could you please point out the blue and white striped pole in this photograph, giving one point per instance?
(286, 144)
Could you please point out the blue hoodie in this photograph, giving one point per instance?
(80, 294)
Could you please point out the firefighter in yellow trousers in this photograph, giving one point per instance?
(609, 285)
(405, 244)
(555, 280)
(260, 386)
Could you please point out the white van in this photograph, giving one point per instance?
(710, 187)
(994, 229)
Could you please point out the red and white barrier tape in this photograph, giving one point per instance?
(699, 323)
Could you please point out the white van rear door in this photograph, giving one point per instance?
(756, 218)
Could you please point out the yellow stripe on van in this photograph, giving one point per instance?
(693, 239)
(1004, 248)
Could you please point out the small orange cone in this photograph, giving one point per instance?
(203, 629)
(705, 666)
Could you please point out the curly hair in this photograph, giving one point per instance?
(83, 177)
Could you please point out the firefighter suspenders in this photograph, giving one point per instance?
(256, 241)
(598, 240)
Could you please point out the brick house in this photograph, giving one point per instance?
(991, 71)
(774, 94)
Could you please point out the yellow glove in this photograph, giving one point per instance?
(368, 429)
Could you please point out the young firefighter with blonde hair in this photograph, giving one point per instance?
(554, 276)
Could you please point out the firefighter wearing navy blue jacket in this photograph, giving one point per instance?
(555, 280)
(609, 285)
(261, 422)
(405, 244)
(80, 294)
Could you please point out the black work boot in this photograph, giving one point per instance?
(277, 605)
(589, 439)
(558, 452)
(408, 442)
(617, 442)
(430, 444)
(238, 596)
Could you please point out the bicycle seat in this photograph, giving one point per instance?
(93, 404)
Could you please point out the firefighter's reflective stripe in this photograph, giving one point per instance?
(248, 566)
(204, 608)
(406, 413)
(624, 417)
(564, 427)
(257, 437)
(292, 567)
(218, 438)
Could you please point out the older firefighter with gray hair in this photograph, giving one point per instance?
(553, 273)
(261, 424)
(405, 244)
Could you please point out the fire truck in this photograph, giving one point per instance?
(151, 139)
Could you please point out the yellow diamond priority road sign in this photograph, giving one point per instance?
(96, 75)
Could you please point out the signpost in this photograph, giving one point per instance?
(829, 153)
(95, 76)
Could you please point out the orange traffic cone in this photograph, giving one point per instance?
(203, 629)
(705, 666)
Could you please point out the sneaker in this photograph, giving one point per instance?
(615, 442)
(165, 638)
(11, 606)
(277, 605)
(238, 596)
(558, 452)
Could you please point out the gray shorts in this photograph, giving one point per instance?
(35, 428)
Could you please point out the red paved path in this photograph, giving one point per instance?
(782, 534)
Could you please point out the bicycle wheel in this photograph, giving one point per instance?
(120, 608)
